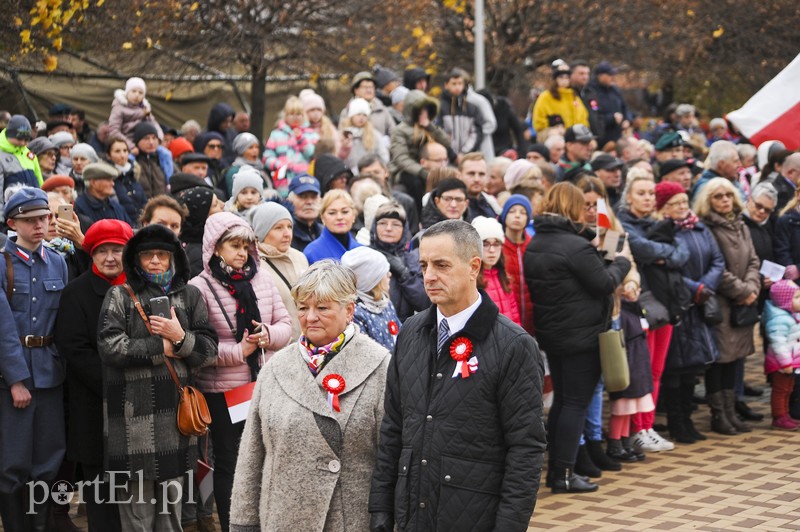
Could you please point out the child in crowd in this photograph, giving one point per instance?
(247, 191)
(290, 147)
(492, 277)
(128, 109)
(514, 218)
(782, 321)
(375, 314)
(360, 135)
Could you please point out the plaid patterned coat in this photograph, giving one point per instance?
(140, 399)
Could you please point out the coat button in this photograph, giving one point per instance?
(424, 462)
(447, 478)
(422, 505)
(438, 375)
(33, 319)
(33, 299)
(429, 418)
(33, 280)
(334, 466)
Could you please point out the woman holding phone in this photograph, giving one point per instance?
(140, 400)
(246, 310)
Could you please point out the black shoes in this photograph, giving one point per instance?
(585, 466)
(746, 413)
(753, 392)
(566, 481)
(600, 458)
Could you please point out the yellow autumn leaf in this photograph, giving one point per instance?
(57, 43)
(417, 32)
(127, 46)
(394, 49)
(314, 78)
(425, 42)
(168, 95)
(25, 35)
(100, 3)
(372, 62)
(406, 53)
(432, 56)
(718, 32)
(194, 6)
(17, 22)
(690, 13)
(149, 42)
(50, 63)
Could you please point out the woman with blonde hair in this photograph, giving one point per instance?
(572, 289)
(290, 146)
(719, 206)
(659, 257)
(338, 214)
(310, 440)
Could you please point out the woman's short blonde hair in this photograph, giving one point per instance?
(702, 203)
(336, 194)
(326, 280)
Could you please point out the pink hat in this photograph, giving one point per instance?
(782, 293)
(135, 83)
(311, 101)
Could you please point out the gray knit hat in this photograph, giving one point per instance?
(84, 150)
(246, 177)
(244, 141)
(61, 138)
(264, 216)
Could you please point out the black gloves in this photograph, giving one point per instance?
(381, 522)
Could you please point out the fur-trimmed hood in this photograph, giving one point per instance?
(155, 233)
(121, 99)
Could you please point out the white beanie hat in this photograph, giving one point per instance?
(61, 138)
(488, 228)
(358, 106)
(135, 83)
(246, 177)
(84, 150)
(369, 265)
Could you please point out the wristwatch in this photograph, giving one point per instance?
(177, 345)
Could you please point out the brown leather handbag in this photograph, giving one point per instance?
(193, 415)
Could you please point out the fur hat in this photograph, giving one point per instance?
(358, 106)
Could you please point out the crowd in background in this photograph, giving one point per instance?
(226, 226)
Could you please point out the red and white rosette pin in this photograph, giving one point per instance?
(334, 385)
(460, 351)
(393, 328)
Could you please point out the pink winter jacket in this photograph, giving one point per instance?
(125, 117)
(231, 369)
(505, 301)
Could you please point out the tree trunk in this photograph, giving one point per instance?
(258, 98)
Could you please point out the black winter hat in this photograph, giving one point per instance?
(327, 167)
(182, 181)
(19, 128)
(541, 149)
(143, 129)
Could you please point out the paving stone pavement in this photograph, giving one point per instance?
(744, 482)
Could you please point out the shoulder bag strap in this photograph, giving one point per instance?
(138, 306)
(9, 276)
(275, 268)
(227, 319)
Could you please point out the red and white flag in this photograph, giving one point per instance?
(238, 401)
(773, 113)
(205, 480)
(602, 214)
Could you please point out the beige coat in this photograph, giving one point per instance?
(288, 477)
(291, 265)
(740, 279)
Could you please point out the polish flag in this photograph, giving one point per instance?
(238, 401)
(602, 214)
(205, 480)
(773, 113)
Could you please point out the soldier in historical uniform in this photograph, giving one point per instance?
(31, 371)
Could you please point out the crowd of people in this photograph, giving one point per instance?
(382, 282)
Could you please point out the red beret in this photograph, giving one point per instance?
(665, 191)
(179, 146)
(106, 232)
(56, 181)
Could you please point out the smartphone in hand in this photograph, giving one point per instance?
(159, 306)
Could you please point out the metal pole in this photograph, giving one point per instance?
(480, 55)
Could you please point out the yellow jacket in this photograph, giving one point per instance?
(570, 107)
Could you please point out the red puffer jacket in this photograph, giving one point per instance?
(504, 300)
(513, 254)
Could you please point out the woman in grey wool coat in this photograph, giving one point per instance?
(310, 440)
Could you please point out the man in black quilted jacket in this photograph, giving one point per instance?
(462, 438)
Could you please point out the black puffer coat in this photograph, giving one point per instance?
(571, 286)
(461, 454)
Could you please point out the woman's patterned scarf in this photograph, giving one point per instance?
(317, 356)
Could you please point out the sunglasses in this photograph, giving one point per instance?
(721, 195)
(214, 146)
(759, 207)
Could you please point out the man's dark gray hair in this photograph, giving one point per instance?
(467, 241)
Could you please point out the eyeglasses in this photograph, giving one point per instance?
(590, 207)
(214, 146)
(492, 244)
(759, 207)
(386, 224)
(148, 255)
(453, 199)
(721, 195)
